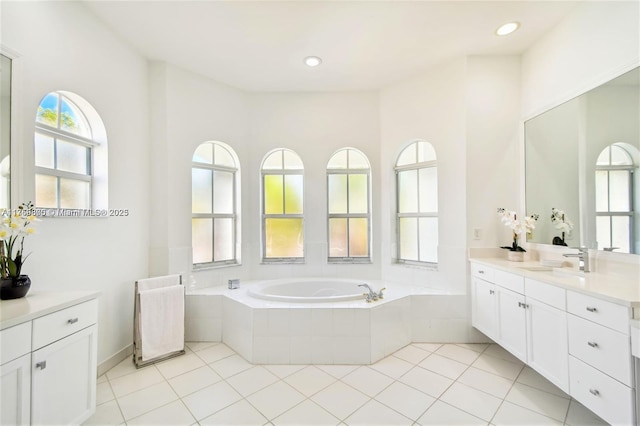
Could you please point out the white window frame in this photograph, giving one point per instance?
(234, 215)
(95, 145)
(418, 215)
(347, 172)
(630, 168)
(281, 172)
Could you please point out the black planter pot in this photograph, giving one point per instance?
(14, 288)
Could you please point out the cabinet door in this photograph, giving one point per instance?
(484, 307)
(15, 385)
(512, 323)
(64, 379)
(548, 348)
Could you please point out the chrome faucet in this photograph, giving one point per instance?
(372, 295)
(583, 257)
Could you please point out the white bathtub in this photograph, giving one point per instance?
(308, 290)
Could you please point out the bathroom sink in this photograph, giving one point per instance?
(536, 268)
(568, 272)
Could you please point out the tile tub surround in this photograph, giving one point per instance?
(349, 332)
(212, 385)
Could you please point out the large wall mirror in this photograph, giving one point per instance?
(581, 161)
(5, 132)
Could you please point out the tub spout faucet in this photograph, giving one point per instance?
(372, 295)
(583, 257)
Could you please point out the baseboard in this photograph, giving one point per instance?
(115, 359)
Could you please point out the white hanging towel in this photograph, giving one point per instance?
(158, 282)
(161, 321)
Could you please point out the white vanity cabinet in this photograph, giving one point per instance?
(49, 360)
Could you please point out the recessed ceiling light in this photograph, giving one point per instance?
(508, 28)
(312, 61)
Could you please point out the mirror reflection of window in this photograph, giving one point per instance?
(5, 132)
(615, 198)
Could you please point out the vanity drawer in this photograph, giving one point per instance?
(15, 341)
(508, 280)
(481, 271)
(603, 395)
(603, 348)
(546, 293)
(55, 326)
(599, 311)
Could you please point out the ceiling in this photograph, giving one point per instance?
(364, 45)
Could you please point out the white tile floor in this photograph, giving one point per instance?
(421, 384)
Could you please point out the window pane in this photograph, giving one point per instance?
(202, 240)
(407, 156)
(603, 158)
(284, 238)
(46, 191)
(425, 152)
(223, 157)
(72, 157)
(293, 194)
(620, 157)
(602, 191)
(72, 120)
(358, 237)
(620, 233)
(222, 192)
(603, 231)
(337, 194)
(428, 190)
(200, 190)
(204, 153)
(408, 191)
(428, 239)
(409, 238)
(357, 160)
(223, 239)
(338, 160)
(619, 191)
(273, 161)
(358, 194)
(338, 237)
(74, 194)
(48, 110)
(273, 197)
(292, 161)
(44, 151)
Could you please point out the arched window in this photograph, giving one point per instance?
(615, 198)
(70, 154)
(417, 204)
(349, 206)
(282, 207)
(215, 202)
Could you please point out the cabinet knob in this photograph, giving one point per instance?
(491, 291)
(72, 321)
(481, 271)
(594, 392)
(591, 309)
(592, 344)
(522, 305)
(41, 365)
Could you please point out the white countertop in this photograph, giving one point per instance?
(621, 289)
(38, 303)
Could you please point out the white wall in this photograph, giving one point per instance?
(598, 41)
(63, 47)
(430, 107)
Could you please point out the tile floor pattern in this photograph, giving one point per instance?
(420, 384)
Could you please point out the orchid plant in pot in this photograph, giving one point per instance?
(561, 223)
(14, 227)
(518, 227)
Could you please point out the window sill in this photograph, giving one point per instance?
(417, 265)
(209, 266)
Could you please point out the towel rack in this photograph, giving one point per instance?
(137, 337)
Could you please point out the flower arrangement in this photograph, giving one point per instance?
(519, 227)
(561, 223)
(13, 230)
